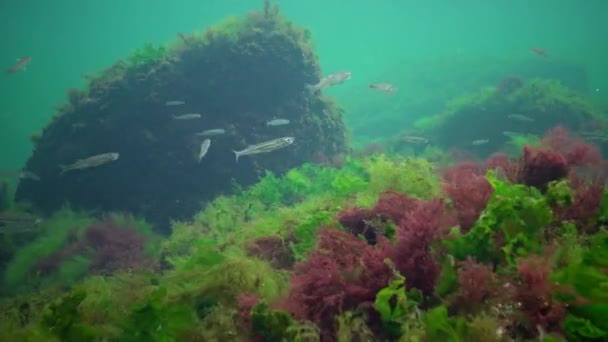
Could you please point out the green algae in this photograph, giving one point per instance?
(391, 303)
(54, 234)
(64, 320)
(206, 264)
(519, 213)
(208, 267)
(271, 325)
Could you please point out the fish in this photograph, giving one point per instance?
(480, 142)
(277, 122)
(512, 134)
(330, 81)
(21, 175)
(174, 103)
(211, 132)
(596, 138)
(15, 223)
(28, 175)
(590, 133)
(89, 162)
(264, 147)
(204, 148)
(520, 117)
(388, 88)
(415, 140)
(190, 116)
(20, 65)
(540, 51)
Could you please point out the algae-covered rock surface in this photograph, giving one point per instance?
(237, 76)
(516, 110)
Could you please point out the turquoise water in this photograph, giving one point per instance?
(471, 203)
(375, 40)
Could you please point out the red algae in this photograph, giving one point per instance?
(465, 184)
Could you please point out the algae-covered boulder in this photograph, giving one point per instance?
(494, 117)
(237, 76)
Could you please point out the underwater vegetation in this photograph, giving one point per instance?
(69, 245)
(379, 248)
(233, 77)
(510, 115)
(449, 78)
(364, 246)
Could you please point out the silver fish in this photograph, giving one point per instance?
(20, 174)
(277, 122)
(330, 81)
(512, 134)
(93, 161)
(190, 116)
(15, 223)
(267, 146)
(204, 148)
(520, 117)
(596, 138)
(480, 142)
(211, 132)
(174, 103)
(415, 140)
(388, 88)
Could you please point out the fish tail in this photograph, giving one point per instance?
(64, 169)
(237, 155)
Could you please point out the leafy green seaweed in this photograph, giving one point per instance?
(519, 213)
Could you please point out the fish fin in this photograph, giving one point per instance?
(237, 155)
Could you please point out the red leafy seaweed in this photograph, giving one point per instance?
(273, 249)
(541, 166)
(535, 295)
(476, 284)
(465, 184)
(111, 246)
(391, 206)
(417, 232)
(342, 273)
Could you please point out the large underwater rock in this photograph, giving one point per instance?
(237, 76)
